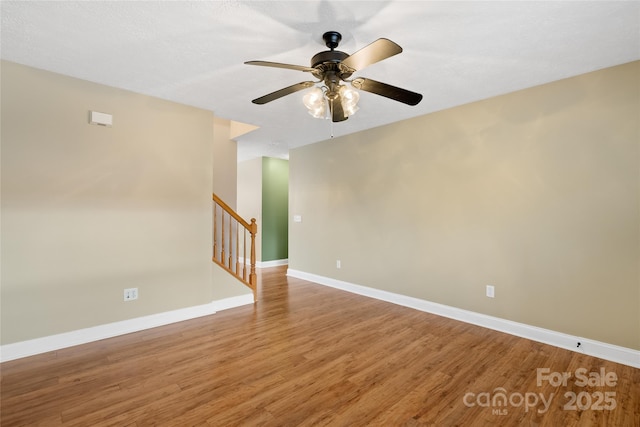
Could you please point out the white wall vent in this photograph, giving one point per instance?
(100, 119)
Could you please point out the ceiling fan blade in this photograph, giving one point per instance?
(282, 92)
(337, 112)
(388, 91)
(280, 65)
(372, 53)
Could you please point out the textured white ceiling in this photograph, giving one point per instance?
(193, 52)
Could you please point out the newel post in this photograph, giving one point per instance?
(253, 278)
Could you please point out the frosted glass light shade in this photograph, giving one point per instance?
(315, 102)
(350, 100)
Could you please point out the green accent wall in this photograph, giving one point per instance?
(275, 209)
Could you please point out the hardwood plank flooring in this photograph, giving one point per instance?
(308, 355)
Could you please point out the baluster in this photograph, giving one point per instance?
(230, 244)
(244, 256)
(237, 249)
(215, 230)
(222, 240)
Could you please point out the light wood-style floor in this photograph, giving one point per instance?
(311, 355)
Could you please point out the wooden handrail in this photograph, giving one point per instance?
(227, 236)
(231, 212)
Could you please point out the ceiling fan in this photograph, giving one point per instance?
(331, 67)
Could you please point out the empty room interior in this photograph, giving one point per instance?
(340, 213)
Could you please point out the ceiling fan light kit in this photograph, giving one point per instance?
(319, 103)
(332, 67)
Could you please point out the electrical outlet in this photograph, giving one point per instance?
(491, 291)
(130, 294)
(338, 264)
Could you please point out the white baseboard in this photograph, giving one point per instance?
(232, 302)
(274, 263)
(109, 330)
(611, 352)
(267, 264)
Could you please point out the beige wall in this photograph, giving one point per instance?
(225, 161)
(536, 192)
(227, 285)
(88, 211)
(250, 196)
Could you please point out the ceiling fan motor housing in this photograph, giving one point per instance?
(328, 64)
(330, 60)
(329, 56)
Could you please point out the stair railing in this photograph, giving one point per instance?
(230, 244)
